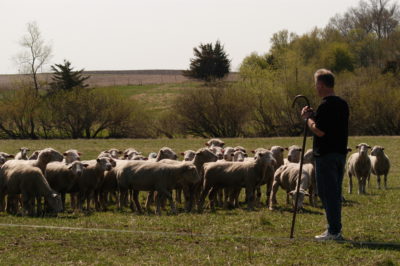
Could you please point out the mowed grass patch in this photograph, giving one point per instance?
(227, 236)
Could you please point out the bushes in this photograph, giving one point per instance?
(78, 113)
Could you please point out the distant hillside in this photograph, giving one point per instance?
(105, 78)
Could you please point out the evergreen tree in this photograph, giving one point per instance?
(210, 62)
(64, 78)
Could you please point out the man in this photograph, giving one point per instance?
(329, 125)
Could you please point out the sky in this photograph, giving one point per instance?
(154, 34)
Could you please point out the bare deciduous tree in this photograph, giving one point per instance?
(36, 53)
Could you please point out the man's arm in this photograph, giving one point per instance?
(307, 112)
(313, 127)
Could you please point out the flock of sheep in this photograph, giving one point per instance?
(217, 172)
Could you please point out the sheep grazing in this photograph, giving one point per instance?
(4, 157)
(28, 181)
(222, 174)
(380, 164)
(159, 177)
(22, 154)
(287, 177)
(294, 153)
(62, 177)
(359, 165)
(34, 155)
(215, 142)
(188, 155)
(71, 156)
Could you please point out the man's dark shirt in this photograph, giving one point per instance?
(332, 118)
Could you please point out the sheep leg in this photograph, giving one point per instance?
(149, 200)
(136, 200)
(350, 183)
(385, 180)
(258, 196)
(212, 197)
(272, 200)
(227, 194)
(167, 194)
(63, 201)
(220, 197)
(236, 197)
(178, 195)
(250, 198)
(39, 210)
(2, 201)
(203, 196)
(378, 179)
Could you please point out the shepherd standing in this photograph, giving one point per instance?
(329, 125)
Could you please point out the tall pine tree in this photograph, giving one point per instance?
(65, 78)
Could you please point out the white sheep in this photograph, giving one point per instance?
(4, 157)
(62, 177)
(222, 174)
(71, 156)
(34, 155)
(294, 154)
(188, 155)
(155, 176)
(287, 177)
(277, 152)
(380, 164)
(228, 154)
(359, 165)
(22, 154)
(28, 181)
(215, 142)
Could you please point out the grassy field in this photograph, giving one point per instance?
(224, 237)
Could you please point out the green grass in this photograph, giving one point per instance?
(225, 237)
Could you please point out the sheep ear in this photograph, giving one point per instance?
(253, 151)
(85, 165)
(70, 167)
(79, 153)
(119, 152)
(98, 160)
(383, 148)
(245, 155)
(369, 147)
(145, 159)
(182, 153)
(358, 146)
(65, 154)
(207, 144)
(286, 148)
(10, 156)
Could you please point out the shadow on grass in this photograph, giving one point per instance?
(372, 245)
(350, 203)
(302, 211)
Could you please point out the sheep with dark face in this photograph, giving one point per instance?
(380, 164)
(359, 165)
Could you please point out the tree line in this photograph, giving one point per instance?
(361, 47)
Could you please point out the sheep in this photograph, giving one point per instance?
(287, 177)
(215, 142)
(359, 165)
(192, 192)
(154, 176)
(228, 154)
(294, 153)
(62, 177)
(240, 148)
(239, 156)
(71, 156)
(217, 151)
(111, 153)
(22, 154)
(277, 152)
(130, 153)
(28, 181)
(4, 156)
(380, 164)
(45, 156)
(34, 155)
(234, 175)
(152, 156)
(90, 180)
(188, 155)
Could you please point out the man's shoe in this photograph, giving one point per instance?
(328, 236)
